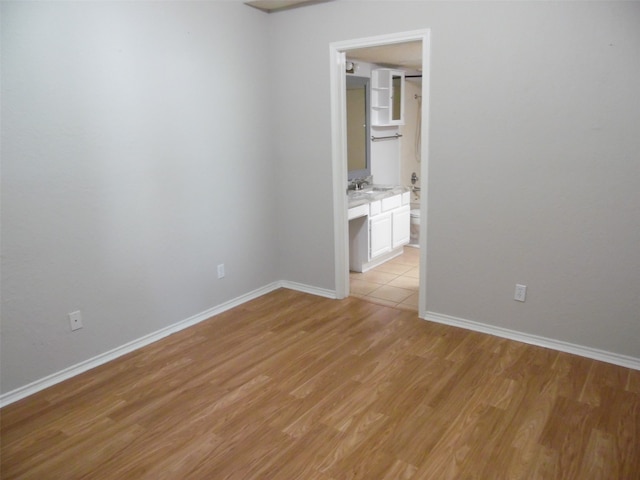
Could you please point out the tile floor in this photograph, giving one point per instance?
(394, 283)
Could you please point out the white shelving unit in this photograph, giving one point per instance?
(387, 97)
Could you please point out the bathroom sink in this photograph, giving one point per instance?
(382, 189)
(357, 193)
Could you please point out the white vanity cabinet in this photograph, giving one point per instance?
(390, 228)
(380, 231)
(401, 226)
(387, 97)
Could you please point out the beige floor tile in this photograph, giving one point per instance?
(402, 261)
(406, 260)
(397, 265)
(411, 252)
(380, 301)
(394, 283)
(404, 281)
(362, 287)
(357, 295)
(391, 267)
(393, 294)
(379, 277)
(414, 272)
(411, 300)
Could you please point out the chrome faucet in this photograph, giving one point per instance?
(357, 184)
(360, 184)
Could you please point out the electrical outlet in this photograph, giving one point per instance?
(221, 270)
(521, 293)
(75, 319)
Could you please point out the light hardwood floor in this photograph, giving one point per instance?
(292, 386)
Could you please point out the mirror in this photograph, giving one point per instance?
(397, 105)
(358, 127)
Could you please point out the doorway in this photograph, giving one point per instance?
(338, 53)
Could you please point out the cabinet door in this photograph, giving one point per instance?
(401, 226)
(397, 98)
(379, 234)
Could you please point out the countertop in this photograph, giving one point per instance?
(373, 193)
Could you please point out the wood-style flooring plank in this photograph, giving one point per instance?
(294, 386)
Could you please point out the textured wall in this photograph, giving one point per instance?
(135, 158)
(534, 167)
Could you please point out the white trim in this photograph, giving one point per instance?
(339, 168)
(423, 237)
(55, 378)
(301, 287)
(103, 358)
(77, 369)
(559, 345)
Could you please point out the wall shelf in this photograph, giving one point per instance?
(387, 103)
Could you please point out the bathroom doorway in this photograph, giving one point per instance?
(360, 48)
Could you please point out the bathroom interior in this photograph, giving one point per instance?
(384, 108)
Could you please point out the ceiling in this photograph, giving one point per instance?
(271, 6)
(406, 55)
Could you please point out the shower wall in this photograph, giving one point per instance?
(408, 157)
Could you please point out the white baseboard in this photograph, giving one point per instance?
(50, 380)
(588, 352)
(301, 287)
(379, 260)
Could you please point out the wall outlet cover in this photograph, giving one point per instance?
(75, 320)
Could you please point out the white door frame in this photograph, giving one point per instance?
(339, 153)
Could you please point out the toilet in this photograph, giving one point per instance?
(414, 239)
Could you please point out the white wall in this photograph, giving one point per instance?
(135, 158)
(534, 167)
